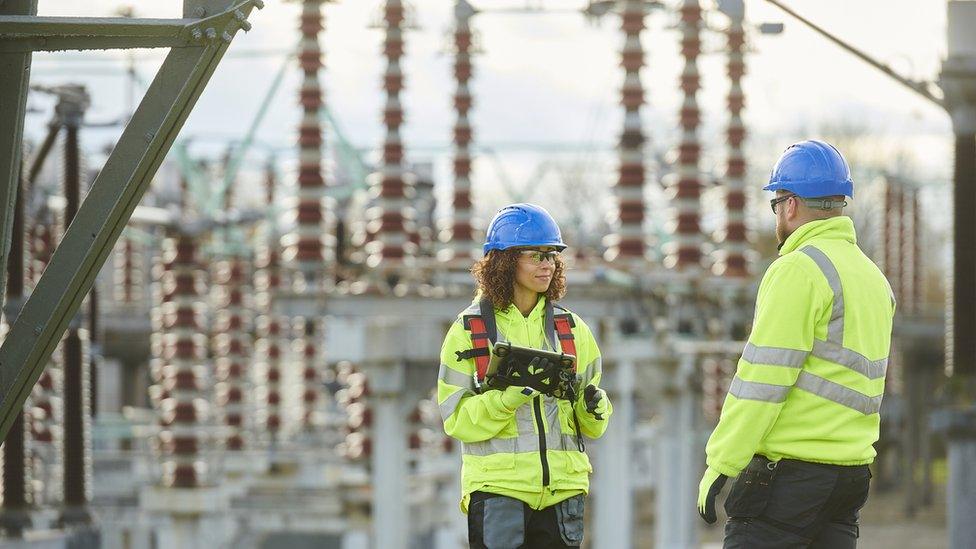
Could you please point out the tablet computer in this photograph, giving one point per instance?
(504, 354)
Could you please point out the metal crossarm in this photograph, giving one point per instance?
(113, 196)
(26, 34)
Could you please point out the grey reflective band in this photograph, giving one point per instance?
(838, 393)
(555, 440)
(774, 356)
(752, 390)
(835, 329)
(451, 403)
(453, 377)
(590, 370)
(833, 349)
(523, 420)
(552, 413)
(829, 351)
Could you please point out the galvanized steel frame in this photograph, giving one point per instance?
(198, 42)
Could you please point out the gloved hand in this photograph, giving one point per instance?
(592, 397)
(514, 396)
(711, 484)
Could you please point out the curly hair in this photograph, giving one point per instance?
(495, 277)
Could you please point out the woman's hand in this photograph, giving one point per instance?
(514, 396)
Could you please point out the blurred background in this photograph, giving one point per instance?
(260, 349)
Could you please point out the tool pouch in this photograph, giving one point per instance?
(569, 515)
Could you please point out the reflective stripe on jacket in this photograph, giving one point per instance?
(811, 377)
(501, 448)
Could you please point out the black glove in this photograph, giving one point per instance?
(592, 397)
(709, 487)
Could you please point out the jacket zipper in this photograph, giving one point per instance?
(537, 405)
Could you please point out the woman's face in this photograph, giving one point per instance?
(535, 268)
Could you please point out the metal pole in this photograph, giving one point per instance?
(675, 526)
(14, 515)
(390, 489)
(961, 485)
(76, 415)
(15, 68)
(613, 510)
(958, 80)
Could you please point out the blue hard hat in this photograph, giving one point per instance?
(518, 225)
(811, 169)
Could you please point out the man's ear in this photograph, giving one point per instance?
(792, 207)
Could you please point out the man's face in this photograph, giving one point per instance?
(783, 231)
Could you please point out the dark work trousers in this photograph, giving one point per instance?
(794, 504)
(500, 522)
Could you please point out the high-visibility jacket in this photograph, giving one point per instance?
(501, 450)
(811, 377)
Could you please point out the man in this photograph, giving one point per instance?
(798, 424)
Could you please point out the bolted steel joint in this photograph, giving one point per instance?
(246, 26)
(197, 34)
(226, 37)
(211, 33)
(259, 4)
(239, 15)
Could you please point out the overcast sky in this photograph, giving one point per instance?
(551, 78)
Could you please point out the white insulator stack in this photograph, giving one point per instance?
(129, 276)
(459, 236)
(271, 330)
(390, 218)
(628, 241)
(311, 247)
(232, 349)
(180, 363)
(46, 434)
(685, 185)
(731, 259)
(306, 351)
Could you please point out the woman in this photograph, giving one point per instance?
(524, 469)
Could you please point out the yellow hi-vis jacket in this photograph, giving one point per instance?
(501, 450)
(811, 377)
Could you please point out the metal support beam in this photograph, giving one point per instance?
(111, 201)
(15, 68)
(27, 34)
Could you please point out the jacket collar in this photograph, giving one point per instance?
(513, 313)
(835, 228)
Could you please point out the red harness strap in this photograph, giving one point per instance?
(479, 338)
(564, 330)
(482, 335)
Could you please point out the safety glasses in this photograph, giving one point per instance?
(537, 257)
(777, 200)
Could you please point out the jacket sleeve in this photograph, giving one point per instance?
(468, 416)
(790, 303)
(589, 365)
